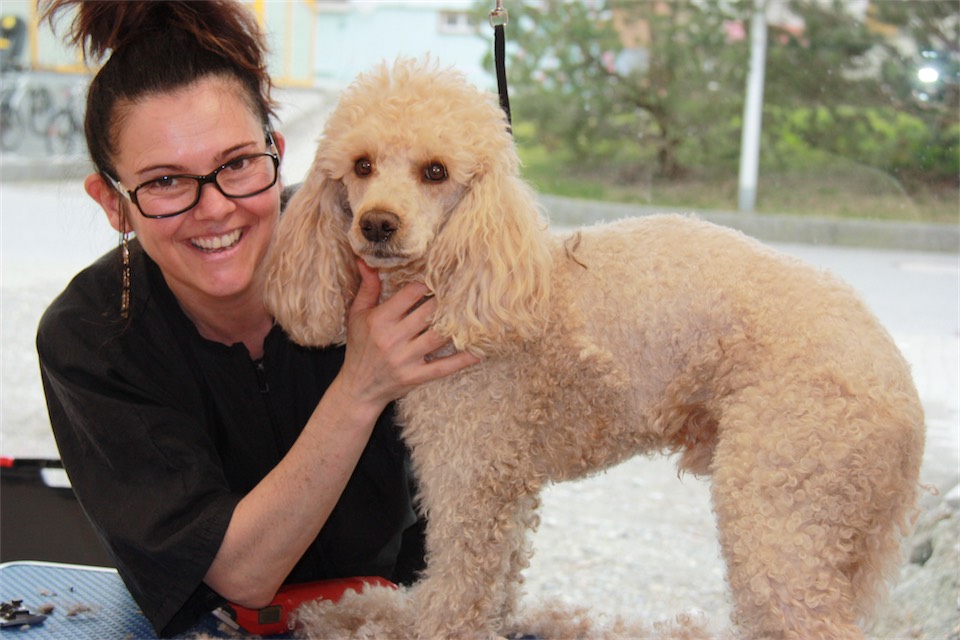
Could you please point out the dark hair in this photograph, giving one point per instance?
(158, 47)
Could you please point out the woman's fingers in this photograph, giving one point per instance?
(369, 292)
(411, 298)
(442, 367)
(391, 348)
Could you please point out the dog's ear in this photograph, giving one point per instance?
(311, 274)
(490, 267)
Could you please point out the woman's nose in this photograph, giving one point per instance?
(212, 204)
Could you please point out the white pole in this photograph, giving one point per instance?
(753, 110)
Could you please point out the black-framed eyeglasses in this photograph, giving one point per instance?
(169, 196)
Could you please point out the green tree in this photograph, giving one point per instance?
(625, 77)
(928, 37)
(847, 84)
(820, 57)
(616, 84)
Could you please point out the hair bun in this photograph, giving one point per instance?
(101, 27)
(150, 47)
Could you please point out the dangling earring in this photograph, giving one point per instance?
(125, 260)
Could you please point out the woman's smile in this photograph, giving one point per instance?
(213, 244)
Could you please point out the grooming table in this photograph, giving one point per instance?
(88, 602)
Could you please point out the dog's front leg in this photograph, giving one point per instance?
(477, 520)
(465, 591)
(528, 518)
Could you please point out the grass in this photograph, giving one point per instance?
(823, 186)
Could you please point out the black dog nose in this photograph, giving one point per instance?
(378, 226)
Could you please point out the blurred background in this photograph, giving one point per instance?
(853, 112)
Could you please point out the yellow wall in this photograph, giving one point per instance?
(290, 28)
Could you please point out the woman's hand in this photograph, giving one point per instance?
(388, 344)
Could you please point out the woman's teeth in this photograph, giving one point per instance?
(217, 243)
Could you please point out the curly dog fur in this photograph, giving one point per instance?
(663, 334)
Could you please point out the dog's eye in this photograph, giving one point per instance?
(435, 172)
(363, 167)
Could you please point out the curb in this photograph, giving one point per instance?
(873, 234)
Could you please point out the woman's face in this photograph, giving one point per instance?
(213, 251)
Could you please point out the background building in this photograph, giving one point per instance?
(353, 36)
(315, 42)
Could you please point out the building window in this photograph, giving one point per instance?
(457, 22)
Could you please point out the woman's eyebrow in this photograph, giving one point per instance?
(225, 155)
(219, 159)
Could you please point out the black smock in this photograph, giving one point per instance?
(162, 432)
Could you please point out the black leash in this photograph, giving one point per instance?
(498, 20)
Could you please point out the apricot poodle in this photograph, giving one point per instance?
(663, 334)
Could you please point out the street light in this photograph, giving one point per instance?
(928, 75)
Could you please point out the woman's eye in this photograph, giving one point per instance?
(166, 182)
(435, 172)
(237, 165)
(363, 167)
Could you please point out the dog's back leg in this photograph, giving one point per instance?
(808, 497)
(782, 587)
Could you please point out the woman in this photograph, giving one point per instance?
(216, 459)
